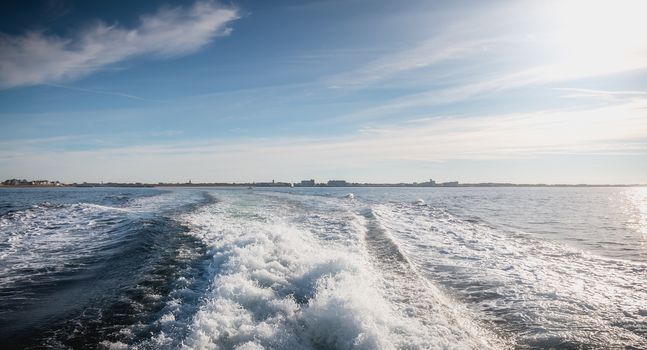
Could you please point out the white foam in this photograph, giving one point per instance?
(164, 201)
(277, 284)
(545, 284)
(44, 237)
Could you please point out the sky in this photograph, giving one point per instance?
(366, 91)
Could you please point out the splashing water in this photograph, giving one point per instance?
(310, 269)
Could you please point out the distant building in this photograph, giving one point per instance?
(430, 183)
(17, 182)
(307, 183)
(272, 184)
(337, 183)
(450, 184)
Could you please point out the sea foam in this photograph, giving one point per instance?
(568, 296)
(277, 285)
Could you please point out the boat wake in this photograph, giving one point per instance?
(238, 269)
(277, 284)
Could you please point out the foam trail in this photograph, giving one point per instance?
(414, 296)
(542, 293)
(311, 269)
(277, 284)
(40, 238)
(74, 273)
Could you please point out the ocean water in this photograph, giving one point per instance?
(315, 268)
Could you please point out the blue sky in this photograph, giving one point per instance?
(388, 91)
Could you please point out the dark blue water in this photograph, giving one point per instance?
(79, 265)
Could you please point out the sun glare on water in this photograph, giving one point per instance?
(638, 199)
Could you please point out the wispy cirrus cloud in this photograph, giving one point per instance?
(540, 75)
(38, 57)
(504, 47)
(602, 94)
(426, 54)
(101, 92)
(609, 130)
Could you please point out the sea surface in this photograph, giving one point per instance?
(318, 268)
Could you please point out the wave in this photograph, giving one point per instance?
(450, 321)
(250, 270)
(276, 284)
(541, 292)
(45, 235)
(73, 275)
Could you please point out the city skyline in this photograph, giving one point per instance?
(519, 92)
(13, 183)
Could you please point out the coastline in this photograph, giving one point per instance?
(195, 185)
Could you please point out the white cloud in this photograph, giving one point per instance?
(452, 34)
(37, 57)
(100, 92)
(609, 130)
(429, 53)
(534, 76)
(602, 94)
(491, 49)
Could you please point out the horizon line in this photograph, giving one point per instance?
(302, 183)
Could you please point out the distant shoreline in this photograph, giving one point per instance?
(127, 185)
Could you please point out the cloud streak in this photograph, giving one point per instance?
(37, 57)
(602, 94)
(515, 45)
(609, 130)
(427, 54)
(100, 92)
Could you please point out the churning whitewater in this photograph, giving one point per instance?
(316, 269)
